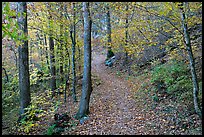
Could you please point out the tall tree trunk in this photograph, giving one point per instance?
(52, 65)
(61, 44)
(126, 35)
(108, 23)
(68, 75)
(52, 59)
(73, 38)
(191, 60)
(86, 84)
(24, 79)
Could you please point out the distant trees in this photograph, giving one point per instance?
(24, 80)
(132, 28)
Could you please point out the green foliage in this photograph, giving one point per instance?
(174, 76)
(50, 130)
(32, 114)
(10, 95)
(39, 79)
(34, 76)
(26, 125)
(118, 73)
(10, 26)
(155, 98)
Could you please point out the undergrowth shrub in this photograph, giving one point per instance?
(172, 77)
(10, 95)
(39, 79)
(35, 111)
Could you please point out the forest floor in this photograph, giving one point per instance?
(113, 109)
(117, 107)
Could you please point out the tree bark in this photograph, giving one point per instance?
(73, 38)
(86, 84)
(108, 23)
(52, 59)
(191, 60)
(61, 44)
(126, 35)
(79, 59)
(67, 80)
(52, 65)
(24, 79)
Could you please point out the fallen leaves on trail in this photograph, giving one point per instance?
(116, 111)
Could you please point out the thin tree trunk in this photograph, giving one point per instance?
(67, 80)
(87, 84)
(24, 79)
(191, 60)
(73, 38)
(61, 44)
(126, 36)
(52, 65)
(79, 58)
(108, 23)
(52, 59)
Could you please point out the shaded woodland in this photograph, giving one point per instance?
(94, 68)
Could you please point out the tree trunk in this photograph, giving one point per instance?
(73, 38)
(67, 80)
(52, 65)
(126, 36)
(79, 59)
(108, 23)
(191, 60)
(52, 60)
(86, 84)
(61, 44)
(24, 79)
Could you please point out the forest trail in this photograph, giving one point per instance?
(112, 106)
(118, 104)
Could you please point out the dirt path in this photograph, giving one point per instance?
(112, 107)
(116, 99)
